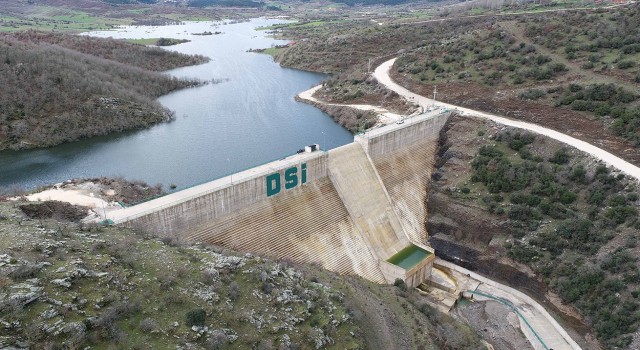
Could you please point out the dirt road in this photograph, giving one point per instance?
(382, 75)
(542, 331)
(538, 326)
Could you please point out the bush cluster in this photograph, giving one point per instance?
(582, 210)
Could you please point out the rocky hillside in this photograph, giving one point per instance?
(72, 286)
(544, 218)
(60, 88)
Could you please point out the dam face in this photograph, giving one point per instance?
(352, 210)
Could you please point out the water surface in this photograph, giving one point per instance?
(409, 257)
(248, 119)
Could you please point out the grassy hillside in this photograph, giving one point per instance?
(572, 70)
(60, 88)
(583, 61)
(65, 285)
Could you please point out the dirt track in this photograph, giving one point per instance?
(507, 103)
(588, 138)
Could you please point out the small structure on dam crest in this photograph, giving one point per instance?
(357, 209)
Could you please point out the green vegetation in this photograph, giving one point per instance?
(75, 286)
(58, 88)
(146, 41)
(273, 51)
(149, 58)
(72, 23)
(602, 100)
(602, 40)
(562, 213)
(489, 57)
(69, 285)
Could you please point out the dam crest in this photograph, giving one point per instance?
(357, 209)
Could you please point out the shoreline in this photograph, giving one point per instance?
(383, 116)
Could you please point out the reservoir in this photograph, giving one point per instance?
(249, 117)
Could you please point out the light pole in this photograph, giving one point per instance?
(435, 91)
(324, 141)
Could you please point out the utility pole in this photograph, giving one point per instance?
(369, 66)
(435, 92)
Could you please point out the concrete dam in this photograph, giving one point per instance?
(357, 209)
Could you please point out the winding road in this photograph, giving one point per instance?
(548, 333)
(382, 75)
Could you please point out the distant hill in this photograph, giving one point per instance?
(56, 88)
(231, 3)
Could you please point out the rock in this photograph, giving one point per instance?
(30, 286)
(62, 282)
(22, 298)
(74, 327)
(175, 324)
(207, 294)
(61, 269)
(79, 272)
(49, 314)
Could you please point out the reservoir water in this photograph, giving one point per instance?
(248, 119)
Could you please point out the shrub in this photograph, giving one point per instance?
(560, 157)
(567, 197)
(578, 174)
(234, 291)
(217, 341)
(24, 271)
(195, 317)
(399, 282)
(619, 261)
(148, 325)
(626, 64)
(620, 214)
(531, 94)
(575, 286)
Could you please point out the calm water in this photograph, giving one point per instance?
(248, 119)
